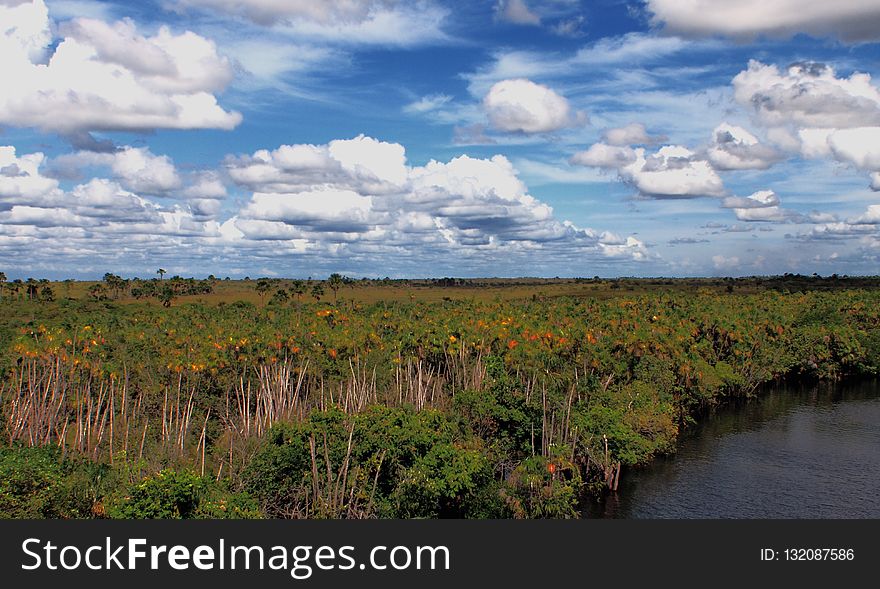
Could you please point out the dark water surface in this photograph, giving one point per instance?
(792, 453)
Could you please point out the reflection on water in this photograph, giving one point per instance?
(792, 453)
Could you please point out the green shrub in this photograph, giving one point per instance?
(173, 494)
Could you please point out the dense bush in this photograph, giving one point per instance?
(39, 482)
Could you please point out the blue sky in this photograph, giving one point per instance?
(428, 138)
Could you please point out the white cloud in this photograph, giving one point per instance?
(363, 165)
(600, 155)
(268, 59)
(105, 199)
(327, 194)
(859, 146)
(807, 95)
(516, 12)
(837, 231)
(672, 172)
(273, 11)
(338, 22)
(766, 214)
(25, 28)
(760, 199)
(570, 27)
(206, 185)
(427, 103)
(632, 134)
(341, 211)
(726, 262)
(870, 216)
(875, 181)
(144, 172)
(21, 181)
(734, 148)
(850, 20)
(400, 24)
(136, 168)
(811, 110)
(107, 77)
(43, 217)
(520, 105)
(630, 49)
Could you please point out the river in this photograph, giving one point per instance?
(793, 452)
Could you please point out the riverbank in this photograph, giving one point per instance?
(793, 452)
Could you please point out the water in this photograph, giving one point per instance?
(792, 453)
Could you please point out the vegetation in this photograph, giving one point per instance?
(433, 402)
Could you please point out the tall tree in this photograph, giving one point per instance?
(335, 282)
(32, 289)
(2, 284)
(114, 283)
(263, 286)
(161, 272)
(317, 291)
(298, 288)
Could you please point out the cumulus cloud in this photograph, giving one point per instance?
(764, 206)
(766, 214)
(869, 217)
(100, 76)
(205, 185)
(516, 12)
(811, 110)
(600, 155)
(849, 20)
(361, 193)
(734, 148)
(144, 172)
(859, 146)
(807, 95)
(356, 200)
(837, 231)
(632, 134)
(760, 199)
(136, 168)
(672, 171)
(21, 180)
(520, 105)
(363, 165)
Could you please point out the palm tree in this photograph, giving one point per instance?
(161, 272)
(298, 288)
(335, 281)
(262, 287)
(32, 288)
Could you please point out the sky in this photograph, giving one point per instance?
(422, 138)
